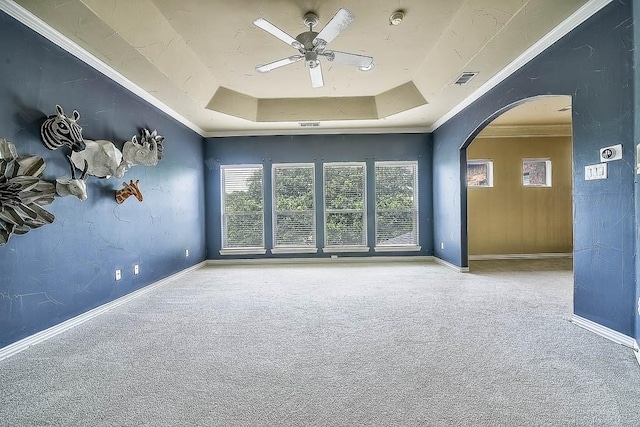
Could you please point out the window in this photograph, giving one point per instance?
(345, 207)
(396, 206)
(536, 172)
(480, 173)
(294, 225)
(242, 209)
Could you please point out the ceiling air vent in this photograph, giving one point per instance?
(309, 124)
(465, 78)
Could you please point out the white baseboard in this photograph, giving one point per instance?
(636, 351)
(519, 256)
(605, 332)
(41, 336)
(451, 266)
(316, 260)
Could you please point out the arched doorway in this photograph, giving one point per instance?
(519, 182)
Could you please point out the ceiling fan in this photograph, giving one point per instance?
(312, 45)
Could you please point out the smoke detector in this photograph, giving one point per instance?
(396, 17)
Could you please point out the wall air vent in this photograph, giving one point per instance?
(309, 124)
(465, 78)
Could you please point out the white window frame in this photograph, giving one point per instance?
(415, 208)
(345, 248)
(244, 250)
(489, 163)
(548, 178)
(292, 249)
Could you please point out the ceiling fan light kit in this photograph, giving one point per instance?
(312, 45)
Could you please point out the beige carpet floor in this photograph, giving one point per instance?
(357, 344)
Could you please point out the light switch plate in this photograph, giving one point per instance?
(592, 172)
(118, 274)
(136, 269)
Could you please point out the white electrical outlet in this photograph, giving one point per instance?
(441, 245)
(136, 269)
(118, 274)
(186, 253)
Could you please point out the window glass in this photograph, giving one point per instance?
(480, 173)
(396, 203)
(242, 207)
(344, 203)
(294, 206)
(536, 172)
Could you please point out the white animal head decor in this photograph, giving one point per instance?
(74, 186)
(58, 130)
(103, 158)
(147, 152)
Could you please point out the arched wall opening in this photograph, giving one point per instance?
(518, 182)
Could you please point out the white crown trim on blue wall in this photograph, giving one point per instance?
(578, 17)
(36, 24)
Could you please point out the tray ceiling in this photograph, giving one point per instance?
(198, 57)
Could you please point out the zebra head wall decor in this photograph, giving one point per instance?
(58, 130)
(130, 189)
(74, 186)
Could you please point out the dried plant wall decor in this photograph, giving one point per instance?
(22, 193)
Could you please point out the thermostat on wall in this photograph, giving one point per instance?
(608, 154)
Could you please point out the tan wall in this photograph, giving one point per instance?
(512, 219)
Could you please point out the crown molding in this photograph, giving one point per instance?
(317, 131)
(45, 30)
(525, 131)
(578, 17)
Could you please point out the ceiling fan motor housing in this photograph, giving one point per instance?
(306, 40)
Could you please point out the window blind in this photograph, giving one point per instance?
(242, 207)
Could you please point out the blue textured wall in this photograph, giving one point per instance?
(636, 119)
(594, 64)
(318, 149)
(66, 268)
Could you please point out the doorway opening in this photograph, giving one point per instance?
(519, 183)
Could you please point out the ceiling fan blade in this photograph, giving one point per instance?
(339, 22)
(276, 32)
(361, 61)
(315, 72)
(265, 68)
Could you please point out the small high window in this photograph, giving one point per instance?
(536, 172)
(480, 173)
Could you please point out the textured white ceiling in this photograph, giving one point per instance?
(184, 52)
